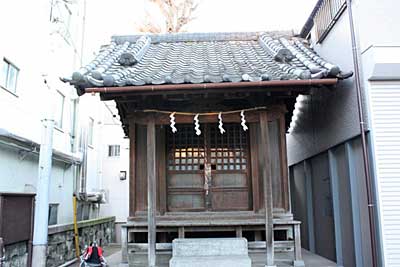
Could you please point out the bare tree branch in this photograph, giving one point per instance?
(176, 15)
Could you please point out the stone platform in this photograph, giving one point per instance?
(210, 252)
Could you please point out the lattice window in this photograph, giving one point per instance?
(228, 151)
(189, 152)
(186, 150)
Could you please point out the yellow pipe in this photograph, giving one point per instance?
(76, 234)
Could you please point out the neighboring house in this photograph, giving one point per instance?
(324, 148)
(114, 176)
(205, 114)
(42, 41)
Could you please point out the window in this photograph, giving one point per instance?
(8, 76)
(326, 16)
(189, 152)
(59, 113)
(114, 150)
(53, 214)
(90, 133)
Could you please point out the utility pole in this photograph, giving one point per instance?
(40, 231)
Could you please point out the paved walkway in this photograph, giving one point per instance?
(112, 254)
(113, 257)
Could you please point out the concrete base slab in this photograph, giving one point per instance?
(298, 263)
(211, 261)
(258, 258)
(210, 252)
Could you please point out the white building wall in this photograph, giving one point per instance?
(385, 120)
(43, 51)
(329, 117)
(117, 190)
(332, 117)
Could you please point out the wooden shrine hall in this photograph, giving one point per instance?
(206, 115)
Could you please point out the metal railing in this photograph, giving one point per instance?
(327, 15)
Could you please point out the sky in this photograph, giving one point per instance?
(105, 18)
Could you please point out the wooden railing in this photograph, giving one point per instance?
(327, 15)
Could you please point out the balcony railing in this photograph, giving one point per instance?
(326, 16)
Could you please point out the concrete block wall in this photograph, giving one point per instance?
(61, 246)
(16, 254)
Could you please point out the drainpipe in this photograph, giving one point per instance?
(83, 168)
(357, 78)
(75, 146)
(42, 196)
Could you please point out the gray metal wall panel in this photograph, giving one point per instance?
(345, 207)
(299, 201)
(323, 208)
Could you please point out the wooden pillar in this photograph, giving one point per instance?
(124, 243)
(151, 192)
(298, 260)
(161, 170)
(132, 168)
(284, 164)
(181, 232)
(267, 176)
(254, 166)
(239, 232)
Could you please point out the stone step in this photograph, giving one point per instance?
(186, 247)
(211, 261)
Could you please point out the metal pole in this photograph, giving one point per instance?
(76, 232)
(2, 252)
(357, 78)
(42, 196)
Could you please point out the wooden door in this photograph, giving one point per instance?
(228, 156)
(208, 172)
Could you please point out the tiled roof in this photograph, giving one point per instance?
(202, 58)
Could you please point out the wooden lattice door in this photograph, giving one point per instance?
(210, 171)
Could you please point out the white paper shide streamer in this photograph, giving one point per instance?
(221, 124)
(172, 121)
(245, 128)
(197, 124)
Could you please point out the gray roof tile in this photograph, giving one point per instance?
(202, 58)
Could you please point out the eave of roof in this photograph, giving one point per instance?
(206, 86)
(185, 60)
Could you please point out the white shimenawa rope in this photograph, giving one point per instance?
(197, 124)
(172, 125)
(221, 124)
(245, 128)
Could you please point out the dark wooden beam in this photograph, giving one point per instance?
(267, 182)
(279, 90)
(161, 169)
(284, 164)
(253, 128)
(132, 168)
(151, 191)
(251, 116)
